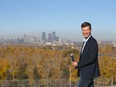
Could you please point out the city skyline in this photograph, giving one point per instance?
(62, 16)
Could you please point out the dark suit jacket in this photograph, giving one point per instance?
(88, 67)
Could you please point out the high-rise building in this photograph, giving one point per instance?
(43, 36)
(49, 37)
(53, 36)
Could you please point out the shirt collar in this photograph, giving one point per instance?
(85, 40)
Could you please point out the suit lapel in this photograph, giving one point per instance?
(85, 45)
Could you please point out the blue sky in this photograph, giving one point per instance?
(19, 17)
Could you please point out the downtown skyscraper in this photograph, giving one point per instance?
(51, 37)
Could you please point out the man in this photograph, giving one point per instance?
(88, 67)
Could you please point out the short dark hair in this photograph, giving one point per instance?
(85, 24)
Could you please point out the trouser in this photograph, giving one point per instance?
(85, 83)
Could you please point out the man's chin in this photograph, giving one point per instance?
(86, 36)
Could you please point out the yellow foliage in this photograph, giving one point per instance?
(4, 65)
(51, 63)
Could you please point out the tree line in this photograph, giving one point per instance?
(34, 62)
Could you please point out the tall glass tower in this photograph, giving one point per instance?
(53, 36)
(43, 36)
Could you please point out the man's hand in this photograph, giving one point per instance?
(74, 64)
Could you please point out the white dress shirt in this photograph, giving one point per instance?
(85, 41)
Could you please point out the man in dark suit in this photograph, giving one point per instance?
(88, 67)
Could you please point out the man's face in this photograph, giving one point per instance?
(86, 31)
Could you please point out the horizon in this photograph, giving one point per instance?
(80, 39)
(62, 16)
